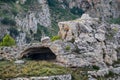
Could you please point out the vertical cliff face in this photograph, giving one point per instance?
(28, 16)
(38, 13)
(75, 3)
(33, 17)
(104, 9)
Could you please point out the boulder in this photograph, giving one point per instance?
(19, 62)
(45, 39)
(108, 59)
(100, 36)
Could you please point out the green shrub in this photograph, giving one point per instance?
(114, 20)
(52, 3)
(7, 1)
(28, 39)
(14, 11)
(8, 21)
(111, 74)
(111, 33)
(95, 67)
(67, 48)
(8, 41)
(55, 38)
(5, 11)
(13, 32)
(77, 11)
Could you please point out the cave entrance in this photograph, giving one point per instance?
(42, 53)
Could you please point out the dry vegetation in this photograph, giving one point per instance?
(38, 68)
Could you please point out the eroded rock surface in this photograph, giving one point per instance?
(96, 41)
(104, 9)
(86, 42)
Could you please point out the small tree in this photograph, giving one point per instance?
(8, 41)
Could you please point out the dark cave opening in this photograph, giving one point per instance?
(42, 53)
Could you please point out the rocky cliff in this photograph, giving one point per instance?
(97, 44)
(24, 17)
(38, 13)
(96, 41)
(86, 42)
(29, 20)
(104, 9)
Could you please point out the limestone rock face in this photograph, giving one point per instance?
(38, 14)
(29, 21)
(104, 9)
(96, 42)
(86, 42)
(72, 29)
(76, 3)
(102, 73)
(28, 17)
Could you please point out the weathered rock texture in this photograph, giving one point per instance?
(87, 42)
(104, 9)
(96, 42)
(113, 74)
(37, 14)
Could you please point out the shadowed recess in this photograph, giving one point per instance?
(39, 53)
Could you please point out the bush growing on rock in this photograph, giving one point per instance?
(77, 11)
(96, 67)
(114, 20)
(55, 38)
(8, 21)
(7, 41)
(8, 1)
(67, 48)
(13, 32)
(52, 3)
